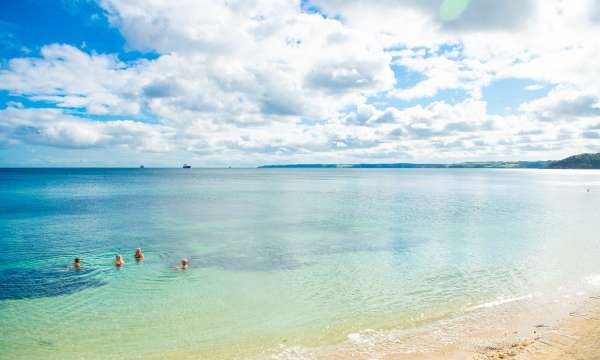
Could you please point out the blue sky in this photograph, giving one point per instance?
(244, 83)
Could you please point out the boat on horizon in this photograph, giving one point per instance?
(186, 166)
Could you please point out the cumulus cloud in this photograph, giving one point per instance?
(281, 81)
(487, 14)
(442, 71)
(564, 105)
(71, 78)
(53, 128)
(534, 87)
(343, 75)
(446, 14)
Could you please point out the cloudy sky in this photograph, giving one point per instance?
(249, 82)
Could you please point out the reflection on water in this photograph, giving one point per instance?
(279, 258)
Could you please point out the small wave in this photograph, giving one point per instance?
(363, 337)
(593, 280)
(499, 301)
(293, 353)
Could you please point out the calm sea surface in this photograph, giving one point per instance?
(279, 258)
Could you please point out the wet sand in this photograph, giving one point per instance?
(512, 331)
(564, 330)
(575, 337)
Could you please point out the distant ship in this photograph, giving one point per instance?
(186, 166)
(141, 166)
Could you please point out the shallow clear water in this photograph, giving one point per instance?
(278, 257)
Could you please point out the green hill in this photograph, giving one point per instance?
(581, 161)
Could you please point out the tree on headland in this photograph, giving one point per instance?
(581, 161)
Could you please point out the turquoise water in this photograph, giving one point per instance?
(278, 257)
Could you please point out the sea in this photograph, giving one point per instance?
(283, 263)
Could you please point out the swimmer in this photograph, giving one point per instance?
(184, 265)
(77, 263)
(139, 256)
(119, 261)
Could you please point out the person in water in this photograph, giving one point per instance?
(77, 263)
(184, 264)
(119, 261)
(139, 256)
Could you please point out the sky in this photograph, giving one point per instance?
(248, 82)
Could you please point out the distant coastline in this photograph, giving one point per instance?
(490, 164)
(581, 161)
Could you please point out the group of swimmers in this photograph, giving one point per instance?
(139, 256)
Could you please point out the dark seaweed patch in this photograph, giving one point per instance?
(20, 283)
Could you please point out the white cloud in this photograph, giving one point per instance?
(262, 80)
(52, 127)
(477, 16)
(71, 78)
(565, 105)
(534, 87)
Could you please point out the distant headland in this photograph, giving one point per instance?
(581, 161)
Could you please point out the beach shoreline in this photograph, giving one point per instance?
(574, 337)
(565, 329)
(573, 332)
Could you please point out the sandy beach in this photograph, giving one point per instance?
(568, 329)
(575, 337)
